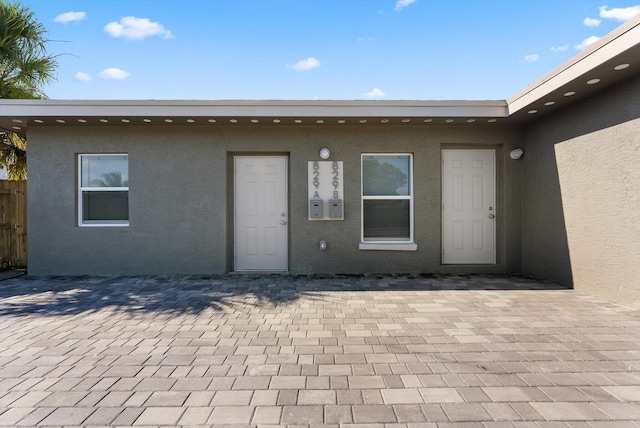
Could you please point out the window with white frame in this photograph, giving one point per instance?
(387, 198)
(103, 190)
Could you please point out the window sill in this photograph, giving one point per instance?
(103, 225)
(382, 246)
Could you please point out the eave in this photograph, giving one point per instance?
(612, 59)
(20, 113)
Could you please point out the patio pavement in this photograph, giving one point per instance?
(427, 351)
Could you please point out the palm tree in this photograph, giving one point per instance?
(25, 67)
(13, 155)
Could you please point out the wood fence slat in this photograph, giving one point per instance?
(13, 224)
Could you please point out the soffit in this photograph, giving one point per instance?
(610, 60)
(20, 114)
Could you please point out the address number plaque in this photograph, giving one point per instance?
(326, 190)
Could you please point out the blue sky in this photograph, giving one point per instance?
(315, 49)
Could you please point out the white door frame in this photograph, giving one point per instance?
(276, 222)
(472, 239)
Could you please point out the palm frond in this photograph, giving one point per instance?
(25, 66)
(13, 155)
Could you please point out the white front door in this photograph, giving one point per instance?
(468, 207)
(261, 215)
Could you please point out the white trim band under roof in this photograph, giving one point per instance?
(304, 109)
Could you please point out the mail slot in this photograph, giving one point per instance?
(335, 208)
(315, 208)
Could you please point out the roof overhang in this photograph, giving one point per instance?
(611, 59)
(17, 114)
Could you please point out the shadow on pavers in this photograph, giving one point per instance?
(177, 294)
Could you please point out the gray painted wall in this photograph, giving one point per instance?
(581, 195)
(180, 200)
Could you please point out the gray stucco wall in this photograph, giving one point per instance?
(180, 197)
(581, 195)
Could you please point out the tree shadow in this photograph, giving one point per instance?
(181, 295)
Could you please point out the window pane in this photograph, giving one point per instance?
(386, 175)
(386, 219)
(105, 206)
(105, 171)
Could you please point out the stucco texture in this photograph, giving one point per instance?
(181, 197)
(581, 196)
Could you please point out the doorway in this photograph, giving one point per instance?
(468, 206)
(261, 231)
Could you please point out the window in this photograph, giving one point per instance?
(103, 190)
(387, 201)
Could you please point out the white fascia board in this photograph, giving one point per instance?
(615, 43)
(93, 108)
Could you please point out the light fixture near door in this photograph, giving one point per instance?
(516, 154)
(325, 153)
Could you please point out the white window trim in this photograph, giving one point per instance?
(379, 246)
(98, 223)
(387, 244)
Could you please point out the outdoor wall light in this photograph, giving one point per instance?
(325, 153)
(323, 245)
(516, 154)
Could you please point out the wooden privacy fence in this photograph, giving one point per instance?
(13, 224)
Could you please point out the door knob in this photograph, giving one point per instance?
(492, 216)
(283, 222)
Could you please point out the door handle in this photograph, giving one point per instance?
(492, 216)
(283, 222)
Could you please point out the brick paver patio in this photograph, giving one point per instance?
(378, 351)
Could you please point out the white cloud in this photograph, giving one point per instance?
(114, 73)
(401, 4)
(587, 42)
(532, 58)
(72, 16)
(620, 13)
(375, 93)
(133, 28)
(83, 77)
(365, 39)
(559, 48)
(305, 64)
(591, 22)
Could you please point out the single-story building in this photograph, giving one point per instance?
(545, 183)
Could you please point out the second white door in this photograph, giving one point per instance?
(261, 215)
(468, 206)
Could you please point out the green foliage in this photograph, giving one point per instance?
(13, 155)
(25, 68)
